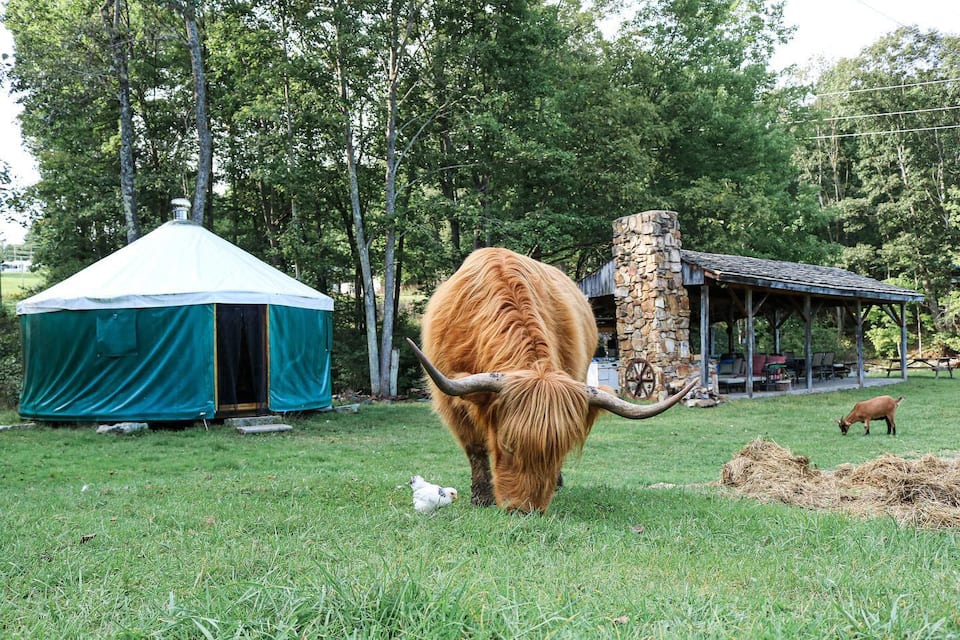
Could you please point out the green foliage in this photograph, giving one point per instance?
(349, 358)
(951, 319)
(883, 158)
(883, 333)
(518, 127)
(11, 365)
(723, 160)
(69, 121)
(311, 534)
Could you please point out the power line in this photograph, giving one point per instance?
(888, 113)
(892, 86)
(888, 17)
(879, 133)
(875, 115)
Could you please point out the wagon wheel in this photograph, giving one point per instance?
(640, 379)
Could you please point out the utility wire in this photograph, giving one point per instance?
(879, 133)
(892, 86)
(888, 113)
(874, 9)
(875, 115)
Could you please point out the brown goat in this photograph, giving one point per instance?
(872, 409)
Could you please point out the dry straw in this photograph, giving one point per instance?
(923, 492)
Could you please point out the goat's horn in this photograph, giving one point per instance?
(476, 383)
(625, 409)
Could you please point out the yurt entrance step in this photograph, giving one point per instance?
(258, 424)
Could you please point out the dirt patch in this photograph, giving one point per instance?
(924, 492)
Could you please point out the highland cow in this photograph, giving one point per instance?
(507, 342)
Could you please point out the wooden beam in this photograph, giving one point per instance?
(891, 311)
(756, 309)
(736, 300)
(783, 319)
(776, 330)
(800, 308)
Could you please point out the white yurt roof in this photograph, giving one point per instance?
(179, 263)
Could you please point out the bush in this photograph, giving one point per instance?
(11, 365)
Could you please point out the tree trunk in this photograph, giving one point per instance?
(363, 249)
(204, 139)
(111, 12)
(295, 222)
(390, 199)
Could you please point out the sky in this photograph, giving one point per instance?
(826, 29)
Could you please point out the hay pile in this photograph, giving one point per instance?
(923, 493)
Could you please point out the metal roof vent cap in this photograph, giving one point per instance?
(181, 208)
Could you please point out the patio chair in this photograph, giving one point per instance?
(731, 372)
(816, 363)
(825, 370)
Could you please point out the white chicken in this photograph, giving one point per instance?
(428, 497)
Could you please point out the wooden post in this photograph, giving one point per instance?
(859, 344)
(776, 331)
(394, 371)
(750, 343)
(731, 346)
(808, 341)
(705, 335)
(903, 340)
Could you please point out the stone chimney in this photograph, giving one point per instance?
(653, 309)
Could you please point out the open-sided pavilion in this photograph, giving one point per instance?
(728, 288)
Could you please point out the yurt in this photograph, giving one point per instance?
(179, 325)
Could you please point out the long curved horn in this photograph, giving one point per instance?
(476, 383)
(625, 409)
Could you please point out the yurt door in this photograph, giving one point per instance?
(241, 359)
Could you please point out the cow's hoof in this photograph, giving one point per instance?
(482, 498)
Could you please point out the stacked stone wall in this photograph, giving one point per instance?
(653, 308)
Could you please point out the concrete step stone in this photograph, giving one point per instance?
(250, 421)
(262, 428)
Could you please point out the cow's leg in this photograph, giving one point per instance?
(473, 438)
(891, 426)
(481, 481)
(866, 427)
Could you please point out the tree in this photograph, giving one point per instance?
(378, 142)
(724, 158)
(113, 14)
(188, 11)
(66, 77)
(886, 158)
(69, 121)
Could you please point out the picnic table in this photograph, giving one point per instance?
(936, 365)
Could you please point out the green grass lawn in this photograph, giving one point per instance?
(311, 533)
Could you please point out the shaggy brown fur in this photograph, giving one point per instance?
(505, 312)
